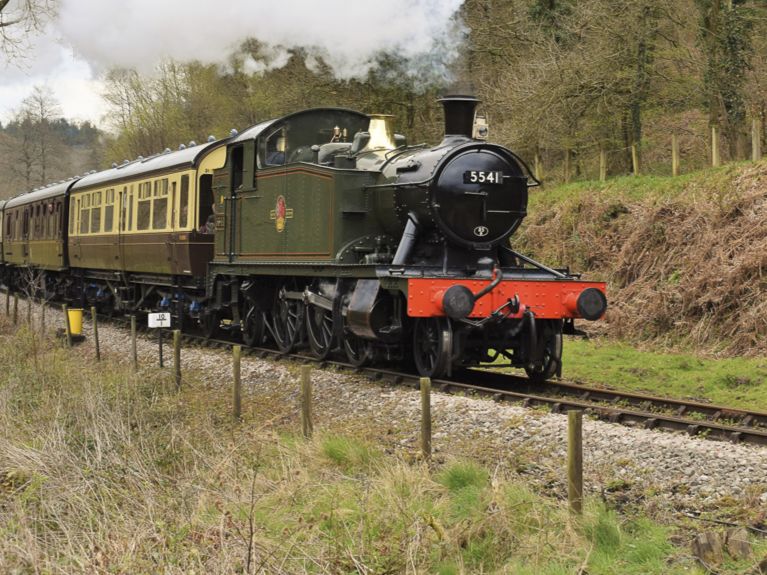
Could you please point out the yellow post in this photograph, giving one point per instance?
(575, 461)
(75, 321)
(426, 418)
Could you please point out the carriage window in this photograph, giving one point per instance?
(85, 219)
(130, 208)
(160, 214)
(161, 188)
(72, 218)
(95, 220)
(183, 202)
(160, 207)
(142, 214)
(109, 210)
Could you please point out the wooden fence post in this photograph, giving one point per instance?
(538, 167)
(8, 302)
(426, 418)
(237, 383)
(42, 315)
(635, 159)
(307, 424)
(95, 321)
(715, 158)
(674, 155)
(575, 460)
(15, 309)
(602, 164)
(65, 307)
(133, 342)
(177, 357)
(756, 140)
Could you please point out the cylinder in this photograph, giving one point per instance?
(75, 321)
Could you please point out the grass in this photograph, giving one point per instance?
(734, 382)
(107, 471)
(634, 188)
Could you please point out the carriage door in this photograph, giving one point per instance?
(25, 235)
(122, 220)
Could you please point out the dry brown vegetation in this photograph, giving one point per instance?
(107, 471)
(686, 259)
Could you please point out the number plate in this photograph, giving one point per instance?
(477, 177)
(159, 319)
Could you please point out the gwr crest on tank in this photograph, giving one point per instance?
(280, 214)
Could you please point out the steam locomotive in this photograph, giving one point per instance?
(324, 229)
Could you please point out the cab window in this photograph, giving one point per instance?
(275, 148)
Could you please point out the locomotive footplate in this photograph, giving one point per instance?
(546, 299)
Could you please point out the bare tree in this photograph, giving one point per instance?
(42, 108)
(18, 19)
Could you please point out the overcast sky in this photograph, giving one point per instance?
(90, 36)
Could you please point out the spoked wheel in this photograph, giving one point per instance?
(253, 327)
(210, 322)
(359, 351)
(432, 346)
(287, 321)
(550, 338)
(319, 330)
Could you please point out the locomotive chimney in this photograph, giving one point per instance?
(459, 114)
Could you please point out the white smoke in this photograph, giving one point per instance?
(347, 35)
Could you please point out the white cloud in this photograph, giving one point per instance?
(141, 33)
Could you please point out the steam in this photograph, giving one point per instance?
(347, 36)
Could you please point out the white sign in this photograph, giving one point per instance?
(159, 319)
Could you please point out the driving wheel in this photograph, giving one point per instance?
(287, 321)
(319, 330)
(253, 327)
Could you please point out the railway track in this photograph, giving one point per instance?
(626, 408)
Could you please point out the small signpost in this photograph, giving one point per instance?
(159, 320)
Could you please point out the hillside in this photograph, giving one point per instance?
(685, 258)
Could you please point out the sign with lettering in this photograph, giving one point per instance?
(159, 319)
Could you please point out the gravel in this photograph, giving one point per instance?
(657, 468)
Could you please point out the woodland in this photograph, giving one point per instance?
(560, 80)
